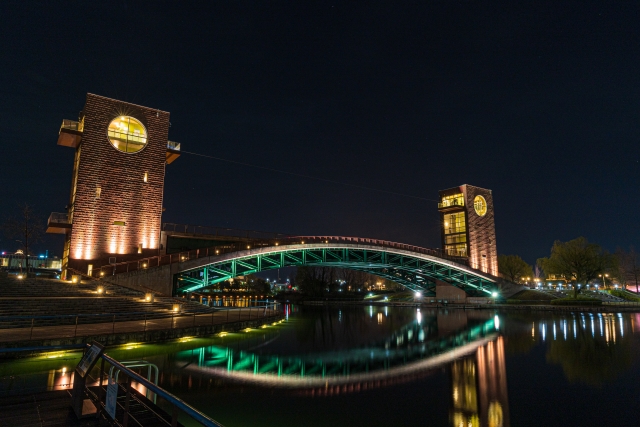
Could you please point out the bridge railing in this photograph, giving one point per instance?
(158, 261)
(221, 231)
(33, 327)
(378, 242)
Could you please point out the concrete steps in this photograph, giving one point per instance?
(49, 302)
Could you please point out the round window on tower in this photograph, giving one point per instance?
(480, 205)
(127, 134)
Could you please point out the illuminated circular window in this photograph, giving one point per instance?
(127, 134)
(480, 205)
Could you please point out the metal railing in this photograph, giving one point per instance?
(69, 124)
(450, 203)
(26, 328)
(376, 242)
(59, 218)
(175, 146)
(221, 231)
(126, 414)
(158, 261)
(622, 303)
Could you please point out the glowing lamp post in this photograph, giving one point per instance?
(604, 279)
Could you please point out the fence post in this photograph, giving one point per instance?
(75, 333)
(31, 333)
(101, 378)
(174, 417)
(125, 420)
(145, 323)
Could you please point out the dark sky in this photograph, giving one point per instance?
(538, 101)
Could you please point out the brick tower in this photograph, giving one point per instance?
(115, 207)
(468, 227)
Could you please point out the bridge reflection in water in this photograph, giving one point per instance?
(405, 352)
(471, 347)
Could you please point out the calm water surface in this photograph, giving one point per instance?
(377, 366)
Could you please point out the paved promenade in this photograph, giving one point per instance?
(167, 323)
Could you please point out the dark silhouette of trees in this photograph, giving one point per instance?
(514, 268)
(628, 271)
(578, 261)
(316, 281)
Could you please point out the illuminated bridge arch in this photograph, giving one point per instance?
(415, 268)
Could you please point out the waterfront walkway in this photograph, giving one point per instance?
(173, 322)
(45, 312)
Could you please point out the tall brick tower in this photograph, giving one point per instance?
(115, 207)
(468, 227)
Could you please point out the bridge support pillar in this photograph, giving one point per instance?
(450, 293)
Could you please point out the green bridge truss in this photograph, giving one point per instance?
(415, 272)
(405, 347)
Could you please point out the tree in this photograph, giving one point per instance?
(628, 270)
(26, 227)
(311, 280)
(514, 268)
(258, 284)
(578, 261)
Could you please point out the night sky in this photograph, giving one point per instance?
(538, 101)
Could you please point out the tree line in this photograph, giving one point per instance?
(317, 281)
(577, 261)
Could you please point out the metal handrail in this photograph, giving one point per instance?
(173, 400)
(69, 124)
(132, 313)
(59, 218)
(450, 203)
(26, 325)
(221, 231)
(172, 145)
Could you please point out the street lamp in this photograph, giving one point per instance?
(604, 279)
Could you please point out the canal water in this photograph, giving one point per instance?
(385, 366)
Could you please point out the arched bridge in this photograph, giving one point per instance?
(416, 268)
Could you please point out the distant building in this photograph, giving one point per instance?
(467, 226)
(115, 206)
(13, 261)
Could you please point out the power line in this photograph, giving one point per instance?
(309, 176)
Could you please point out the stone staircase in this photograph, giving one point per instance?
(54, 302)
